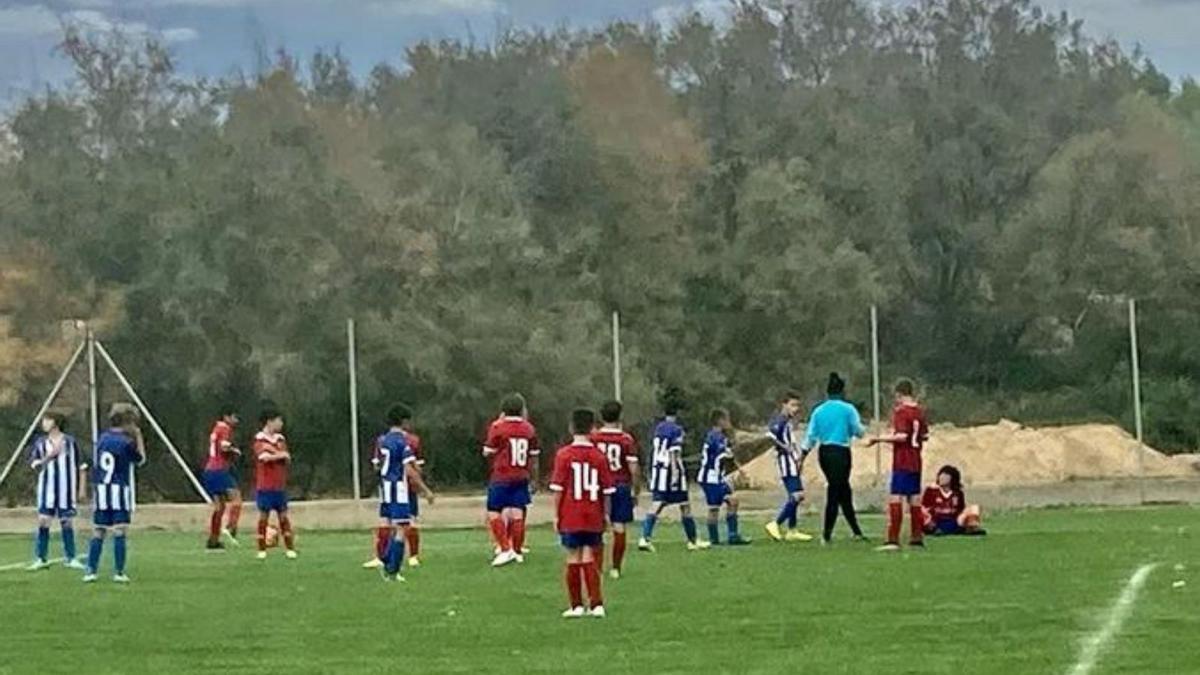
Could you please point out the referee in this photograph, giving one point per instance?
(832, 427)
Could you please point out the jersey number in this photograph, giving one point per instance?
(387, 461)
(662, 451)
(585, 480)
(613, 452)
(519, 451)
(108, 464)
(915, 441)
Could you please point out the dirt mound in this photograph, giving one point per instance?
(1005, 453)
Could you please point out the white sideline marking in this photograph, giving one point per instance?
(23, 565)
(1098, 641)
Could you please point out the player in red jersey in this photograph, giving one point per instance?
(272, 459)
(910, 430)
(621, 451)
(383, 534)
(583, 483)
(945, 507)
(218, 480)
(512, 447)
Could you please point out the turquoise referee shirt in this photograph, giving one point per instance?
(834, 422)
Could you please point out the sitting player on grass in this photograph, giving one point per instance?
(945, 507)
(583, 485)
(717, 488)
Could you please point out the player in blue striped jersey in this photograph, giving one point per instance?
(668, 482)
(718, 490)
(790, 462)
(55, 455)
(398, 474)
(117, 452)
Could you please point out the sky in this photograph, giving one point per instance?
(216, 37)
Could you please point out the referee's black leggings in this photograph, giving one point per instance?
(835, 464)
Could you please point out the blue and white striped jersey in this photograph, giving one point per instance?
(114, 459)
(716, 451)
(393, 456)
(666, 465)
(779, 429)
(58, 476)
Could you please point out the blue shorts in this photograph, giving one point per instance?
(61, 514)
(716, 495)
(671, 497)
(218, 482)
(947, 526)
(502, 496)
(792, 485)
(398, 513)
(108, 518)
(622, 504)
(271, 500)
(414, 505)
(581, 539)
(906, 483)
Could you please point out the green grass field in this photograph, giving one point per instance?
(1019, 601)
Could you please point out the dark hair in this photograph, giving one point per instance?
(582, 420)
(955, 476)
(610, 411)
(905, 387)
(121, 414)
(789, 395)
(269, 413)
(717, 415)
(227, 410)
(513, 405)
(672, 400)
(60, 420)
(837, 386)
(398, 414)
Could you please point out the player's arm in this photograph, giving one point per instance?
(856, 426)
(36, 461)
(635, 475)
(139, 444)
(413, 473)
(535, 465)
(558, 478)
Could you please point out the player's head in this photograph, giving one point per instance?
(836, 386)
(271, 419)
(789, 403)
(123, 415)
(610, 412)
(905, 389)
(54, 421)
(950, 478)
(228, 414)
(719, 419)
(513, 405)
(398, 415)
(582, 421)
(672, 401)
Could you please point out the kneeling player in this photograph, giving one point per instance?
(397, 470)
(117, 451)
(717, 488)
(667, 479)
(272, 459)
(583, 483)
(945, 507)
(621, 451)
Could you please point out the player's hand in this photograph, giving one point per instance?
(37, 464)
(533, 488)
(430, 497)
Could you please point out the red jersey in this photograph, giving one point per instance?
(270, 474)
(512, 445)
(218, 456)
(910, 421)
(619, 448)
(943, 505)
(582, 478)
(414, 444)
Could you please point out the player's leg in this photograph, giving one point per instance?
(96, 547)
(573, 577)
(41, 542)
(495, 520)
(120, 549)
(650, 520)
(971, 520)
(621, 516)
(66, 525)
(413, 536)
(917, 529)
(394, 558)
(895, 519)
(233, 514)
(383, 539)
(516, 529)
(847, 495)
(591, 573)
(214, 521)
(618, 549)
(714, 518)
(285, 526)
(732, 504)
(786, 511)
(689, 524)
(829, 468)
(263, 504)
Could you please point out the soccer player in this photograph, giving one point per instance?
(668, 484)
(583, 483)
(397, 471)
(945, 508)
(117, 452)
(218, 480)
(910, 430)
(55, 455)
(790, 463)
(512, 447)
(383, 533)
(621, 451)
(270, 477)
(717, 488)
(833, 426)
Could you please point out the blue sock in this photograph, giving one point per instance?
(68, 537)
(689, 528)
(793, 509)
(648, 525)
(732, 525)
(713, 535)
(394, 557)
(783, 512)
(119, 553)
(94, 551)
(41, 547)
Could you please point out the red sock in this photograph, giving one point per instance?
(591, 577)
(914, 514)
(214, 525)
(235, 515)
(262, 533)
(618, 550)
(895, 517)
(575, 584)
(383, 534)
(500, 534)
(285, 527)
(518, 535)
(414, 541)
